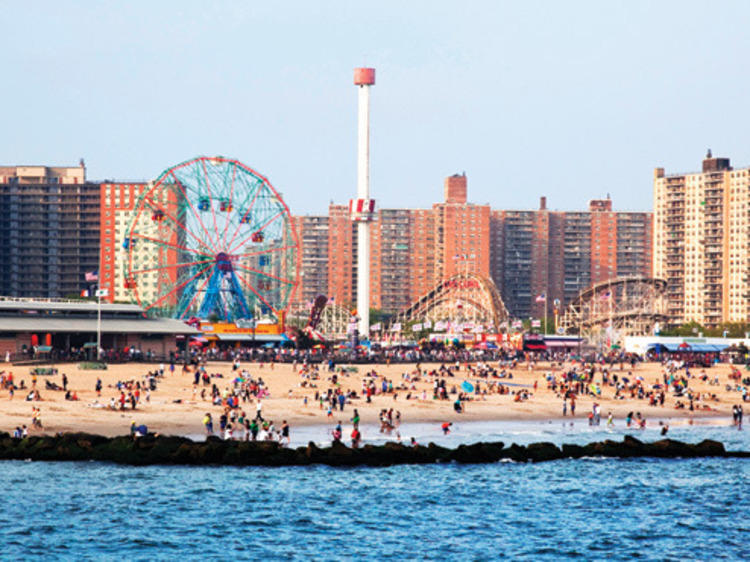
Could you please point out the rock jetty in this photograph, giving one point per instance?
(159, 449)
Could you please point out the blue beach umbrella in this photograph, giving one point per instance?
(467, 386)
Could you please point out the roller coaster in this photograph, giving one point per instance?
(465, 297)
(624, 306)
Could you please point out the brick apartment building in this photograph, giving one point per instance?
(526, 253)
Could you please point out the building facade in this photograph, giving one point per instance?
(312, 232)
(535, 257)
(49, 235)
(701, 242)
(117, 205)
(542, 257)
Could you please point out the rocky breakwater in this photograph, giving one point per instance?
(157, 449)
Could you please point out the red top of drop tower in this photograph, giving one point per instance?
(364, 76)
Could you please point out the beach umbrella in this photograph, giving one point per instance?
(466, 386)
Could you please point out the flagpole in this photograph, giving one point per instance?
(545, 313)
(98, 322)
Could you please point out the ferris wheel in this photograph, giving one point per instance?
(211, 238)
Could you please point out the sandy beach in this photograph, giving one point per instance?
(175, 407)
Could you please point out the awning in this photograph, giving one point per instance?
(694, 347)
(562, 343)
(261, 338)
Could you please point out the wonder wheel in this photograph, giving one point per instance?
(211, 238)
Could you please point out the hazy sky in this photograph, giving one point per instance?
(572, 100)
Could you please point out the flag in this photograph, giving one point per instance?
(517, 324)
(536, 323)
(416, 328)
(92, 276)
(331, 300)
(102, 293)
(541, 298)
(427, 324)
(375, 327)
(396, 327)
(85, 293)
(605, 296)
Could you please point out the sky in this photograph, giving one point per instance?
(571, 100)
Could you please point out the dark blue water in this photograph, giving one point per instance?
(589, 509)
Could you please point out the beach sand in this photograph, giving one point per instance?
(163, 415)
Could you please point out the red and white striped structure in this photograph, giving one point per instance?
(362, 208)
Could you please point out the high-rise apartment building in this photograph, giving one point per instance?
(117, 205)
(312, 233)
(391, 267)
(550, 256)
(462, 232)
(342, 256)
(49, 233)
(529, 254)
(702, 242)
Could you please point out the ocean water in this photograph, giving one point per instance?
(524, 432)
(647, 509)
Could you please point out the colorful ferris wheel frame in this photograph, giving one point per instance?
(211, 238)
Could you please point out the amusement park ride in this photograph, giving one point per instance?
(211, 238)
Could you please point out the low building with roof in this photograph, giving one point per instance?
(66, 324)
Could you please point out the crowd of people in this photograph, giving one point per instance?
(462, 377)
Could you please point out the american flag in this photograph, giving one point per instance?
(541, 298)
(91, 276)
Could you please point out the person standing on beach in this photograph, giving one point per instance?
(284, 433)
(208, 423)
(565, 407)
(355, 419)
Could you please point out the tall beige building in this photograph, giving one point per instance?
(701, 242)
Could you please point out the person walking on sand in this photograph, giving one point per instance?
(208, 423)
